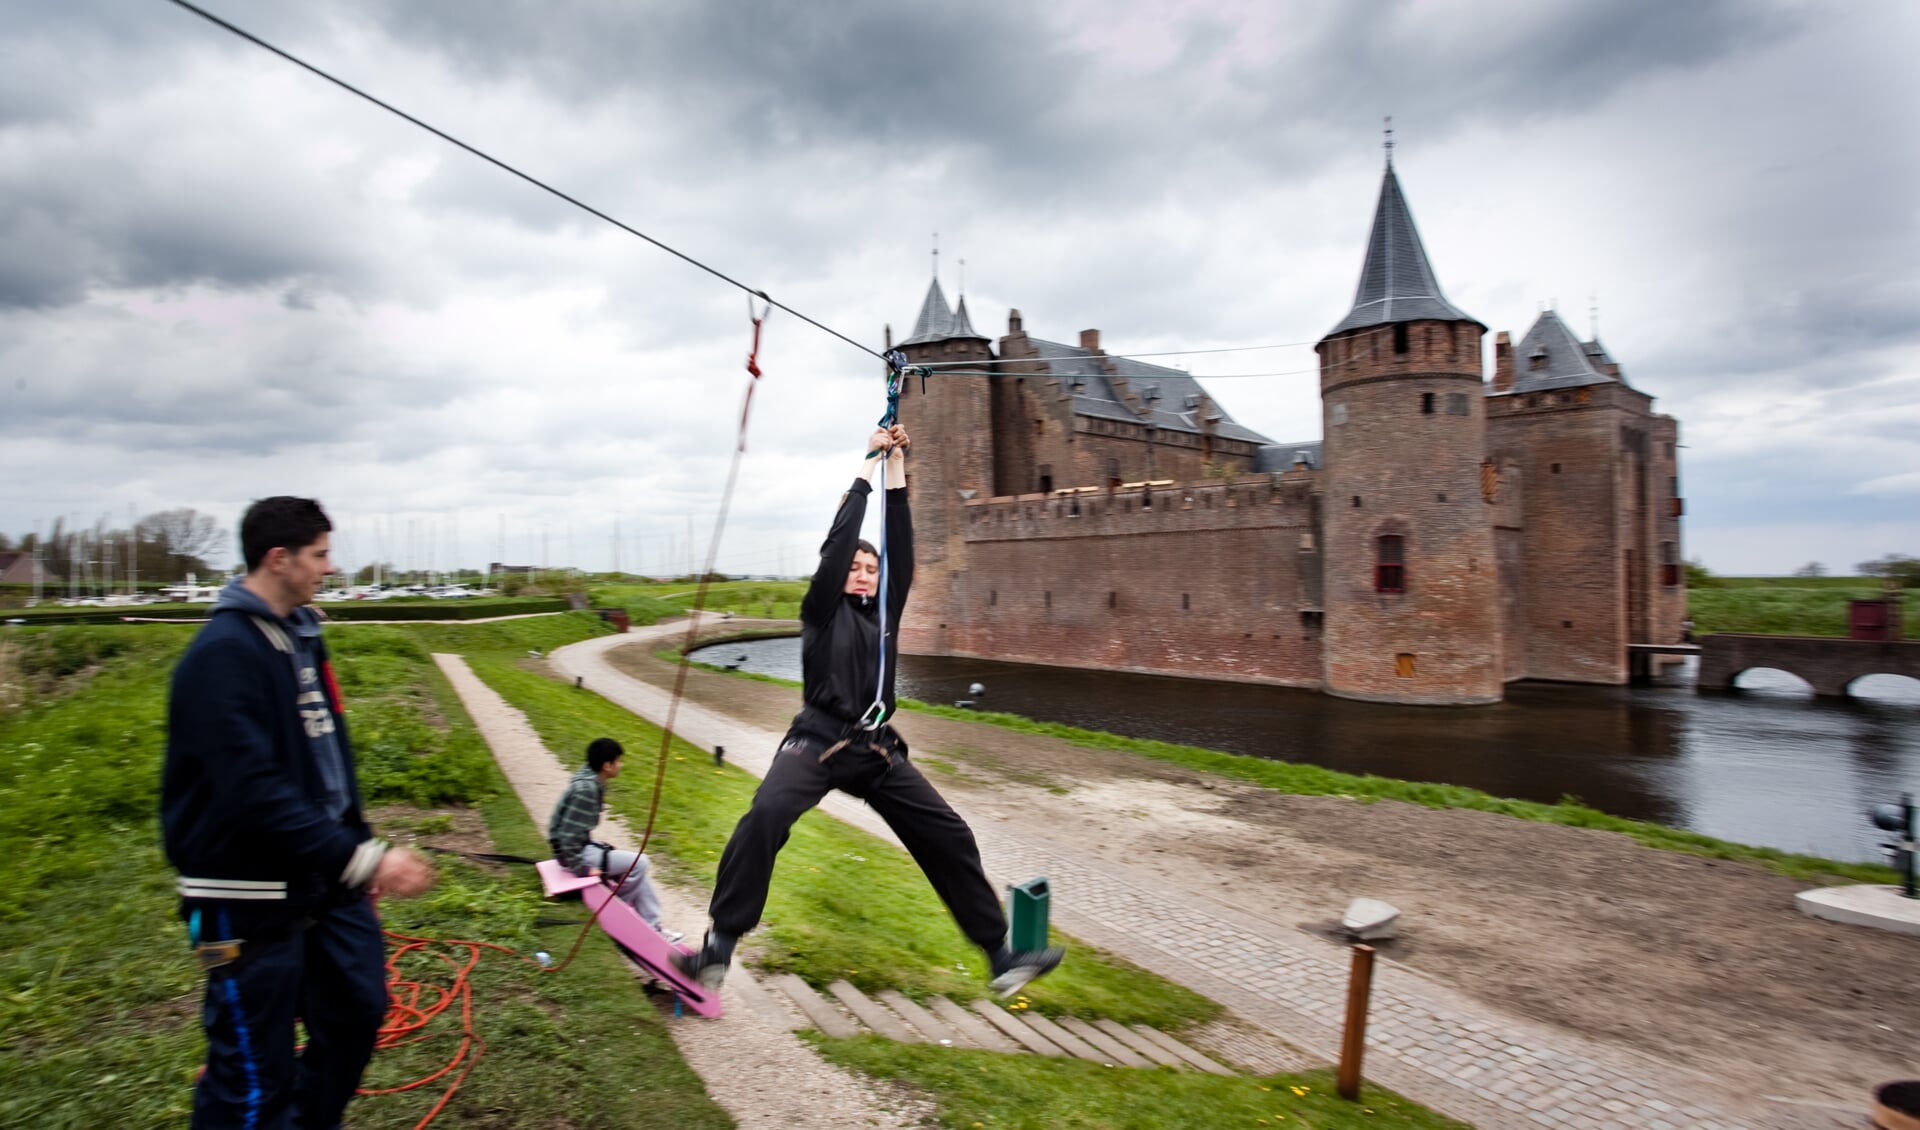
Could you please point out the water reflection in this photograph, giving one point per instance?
(1766, 765)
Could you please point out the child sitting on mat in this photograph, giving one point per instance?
(574, 819)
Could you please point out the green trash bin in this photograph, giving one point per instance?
(1027, 914)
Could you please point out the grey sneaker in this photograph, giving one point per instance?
(705, 967)
(1014, 969)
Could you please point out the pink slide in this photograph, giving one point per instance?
(625, 926)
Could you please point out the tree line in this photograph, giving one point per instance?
(162, 547)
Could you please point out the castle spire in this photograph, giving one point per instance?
(1397, 283)
(935, 322)
(1389, 140)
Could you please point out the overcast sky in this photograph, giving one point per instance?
(222, 278)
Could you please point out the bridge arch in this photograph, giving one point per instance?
(1771, 680)
(1829, 666)
(1884, 686)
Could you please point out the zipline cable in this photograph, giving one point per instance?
(502, 165)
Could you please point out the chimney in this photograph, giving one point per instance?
(1013, 321)
(1090, 340)
(1502, 361)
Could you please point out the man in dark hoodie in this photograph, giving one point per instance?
(261, 814)
(841, 740)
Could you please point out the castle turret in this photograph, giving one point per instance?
(1412, 612)
(951, 423)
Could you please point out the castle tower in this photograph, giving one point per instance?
(1410, 592)
(951, 423)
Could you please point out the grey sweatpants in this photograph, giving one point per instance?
(637, 892)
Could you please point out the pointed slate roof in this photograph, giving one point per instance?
(963, 325)
(1396, 281)
(1551, 357)
(939, 322)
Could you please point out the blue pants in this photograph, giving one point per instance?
(332, 976)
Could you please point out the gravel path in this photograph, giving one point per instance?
(754, 1067)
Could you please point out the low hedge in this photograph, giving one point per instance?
(442, 609)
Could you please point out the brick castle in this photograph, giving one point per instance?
(1446, 537)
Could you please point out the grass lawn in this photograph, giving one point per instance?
(982, 1089)
(99, 1000)
(649, 604)
(1787, 606)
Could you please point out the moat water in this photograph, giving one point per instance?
(1768, 764)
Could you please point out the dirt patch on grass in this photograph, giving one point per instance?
(1698, 962)
(450, 829)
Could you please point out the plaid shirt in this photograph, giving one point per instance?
(574, 816)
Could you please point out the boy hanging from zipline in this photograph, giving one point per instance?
(841, 740)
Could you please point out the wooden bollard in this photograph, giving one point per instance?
(1353, 1041)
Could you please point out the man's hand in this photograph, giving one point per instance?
(880, 440)
(896, 451)
(594, 873)
(401, 874)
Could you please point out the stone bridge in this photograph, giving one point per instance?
(1829, 665)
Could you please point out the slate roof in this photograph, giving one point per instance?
(1397, 283)
(1551, 356)
(938, 322)
(1096, 396)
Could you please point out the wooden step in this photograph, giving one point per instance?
(977, 1031)
(872, 1015)
(1139, 1043)
(1116, 1052)
(1065, 1040)
(1183, 1051)
(815, 1007)
(1026, 1037)
(929, 1025)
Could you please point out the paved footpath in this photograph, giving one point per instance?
(1432, 1044)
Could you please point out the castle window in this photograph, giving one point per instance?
(993, 596)
(1390, 564)
(1186, 601)
(1113, 599)
(1403, 666)
(1339, 413)
(1356, 502)
(1426, 404)
(1669, 564)
(1556, 468)
(1046, 478)
(1113, 472)
(1049, 600)
(1039, 427)
(1457, 404)
(1399, 337)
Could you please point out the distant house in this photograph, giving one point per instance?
(17, 567)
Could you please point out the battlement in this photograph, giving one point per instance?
(1265, 501)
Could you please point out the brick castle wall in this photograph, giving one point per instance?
(1205, 582)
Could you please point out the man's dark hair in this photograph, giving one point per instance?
(282, 520)
(602, 752)
(865, 546)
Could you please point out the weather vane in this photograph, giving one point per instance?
(1389, 141)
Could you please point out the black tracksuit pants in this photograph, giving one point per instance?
(933, 833)
(332, 976)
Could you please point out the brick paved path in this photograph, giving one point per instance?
(1431, 1044)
